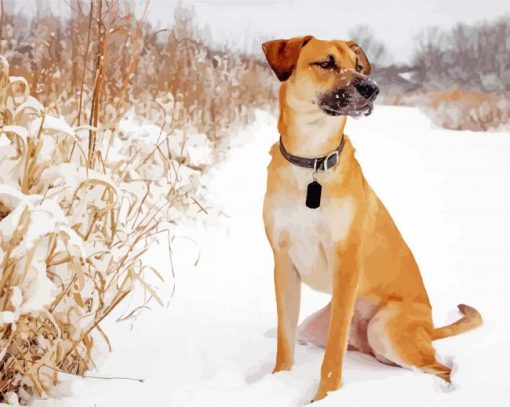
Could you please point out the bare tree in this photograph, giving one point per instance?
(376, 51)
(472, 56)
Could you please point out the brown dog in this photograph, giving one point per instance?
(328, 229)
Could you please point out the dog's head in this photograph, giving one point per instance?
(331, 75)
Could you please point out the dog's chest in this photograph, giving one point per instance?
(310, 235)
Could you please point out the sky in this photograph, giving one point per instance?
(244, 24)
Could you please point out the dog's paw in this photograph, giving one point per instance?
(282, 367)
(324, 389)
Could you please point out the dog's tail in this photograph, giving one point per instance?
(471, 319)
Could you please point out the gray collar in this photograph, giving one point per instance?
(320, 163)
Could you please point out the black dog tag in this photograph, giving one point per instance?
(313, 195)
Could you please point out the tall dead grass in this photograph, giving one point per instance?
(106, 128)
(215, 87)
(72, 235)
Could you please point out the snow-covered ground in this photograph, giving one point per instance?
(449, 193)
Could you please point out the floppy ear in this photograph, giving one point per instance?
(282, 55)
(362, 58)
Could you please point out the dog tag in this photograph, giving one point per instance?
(313, 195)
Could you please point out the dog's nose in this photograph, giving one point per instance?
(369, 90)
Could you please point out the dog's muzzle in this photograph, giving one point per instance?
(367, 88)
(353, 100)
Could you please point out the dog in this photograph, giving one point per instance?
(328, 229)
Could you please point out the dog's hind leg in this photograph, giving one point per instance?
(314, 329)
(402, 334)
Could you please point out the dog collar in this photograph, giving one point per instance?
(320, 163)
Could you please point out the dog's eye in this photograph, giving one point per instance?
(327, 64)
(358, 67)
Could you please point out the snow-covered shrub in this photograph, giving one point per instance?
(72, 234)
(461, 109)
(467, 110)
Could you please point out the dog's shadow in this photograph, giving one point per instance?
(357, 366)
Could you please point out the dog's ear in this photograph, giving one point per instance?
(366, 68)
(282, 55)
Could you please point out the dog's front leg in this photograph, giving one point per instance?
(288, 297)
(345, 287)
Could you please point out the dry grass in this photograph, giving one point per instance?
(130, 124)
(72, 236)
(105, 53)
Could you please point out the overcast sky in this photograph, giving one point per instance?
(243, 23)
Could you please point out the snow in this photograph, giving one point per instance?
(214, 345)
(51, 125)
(7, 317)
(33, 290)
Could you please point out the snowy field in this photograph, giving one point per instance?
(214, 345)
